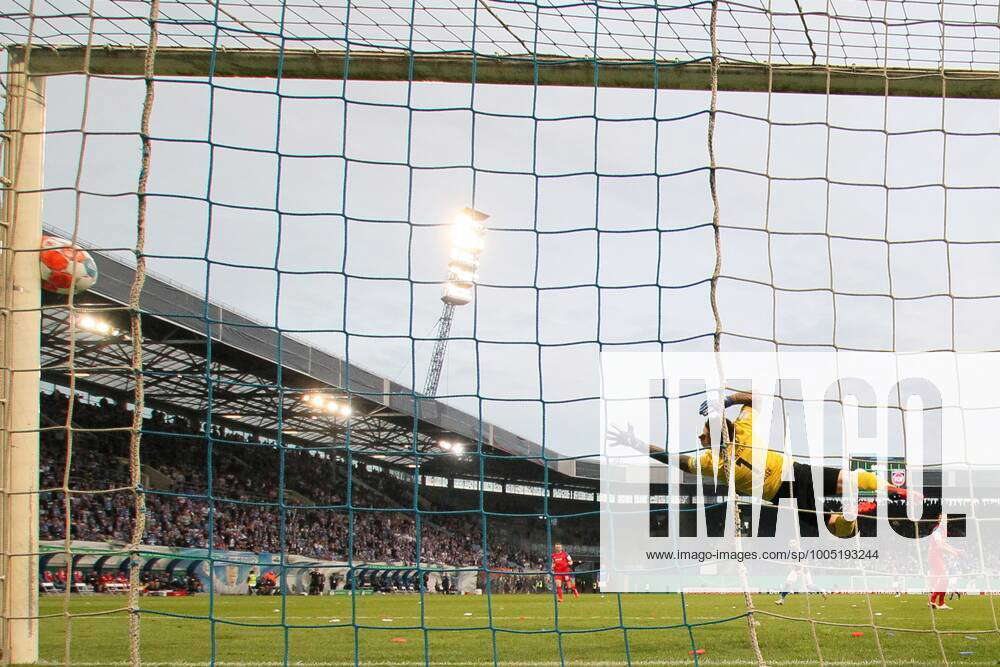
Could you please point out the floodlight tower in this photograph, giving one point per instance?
(468, 240)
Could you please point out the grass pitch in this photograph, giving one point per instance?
(525, 630)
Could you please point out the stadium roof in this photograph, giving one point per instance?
(200, 356)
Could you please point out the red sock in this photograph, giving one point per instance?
(576, 593)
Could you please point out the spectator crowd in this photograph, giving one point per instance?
(228, 491)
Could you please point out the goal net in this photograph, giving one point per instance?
(264, 437)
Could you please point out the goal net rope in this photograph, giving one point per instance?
(708, 176)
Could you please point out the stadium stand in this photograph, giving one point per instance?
(343, 489)
(245, 487)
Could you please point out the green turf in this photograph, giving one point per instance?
(516, 629)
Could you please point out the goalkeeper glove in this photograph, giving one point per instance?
(703, 409)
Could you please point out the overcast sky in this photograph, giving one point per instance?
(571, 259)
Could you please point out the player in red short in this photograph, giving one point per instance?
(562, 567)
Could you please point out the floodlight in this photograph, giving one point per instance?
(464, 258)
(462, 274)
(96, 325)
(468, 238)
(444, 444)
(346, 410)
(472, 215)
(457, 295)
(468, 231)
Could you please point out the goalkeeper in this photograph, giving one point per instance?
(738, 451)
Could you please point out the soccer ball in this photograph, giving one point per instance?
(61, 261)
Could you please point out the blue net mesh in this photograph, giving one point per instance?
(268, 190)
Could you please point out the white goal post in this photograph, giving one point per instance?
(20, 236)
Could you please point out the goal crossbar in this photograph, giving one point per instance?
(513, 70)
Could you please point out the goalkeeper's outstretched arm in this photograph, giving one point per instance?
(688, 462)
(619, 436)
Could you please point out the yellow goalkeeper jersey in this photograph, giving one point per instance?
(743, 444)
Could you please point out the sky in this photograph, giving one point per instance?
(847, 220)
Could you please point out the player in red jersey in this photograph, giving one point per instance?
(562, 567)
(938, 552)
